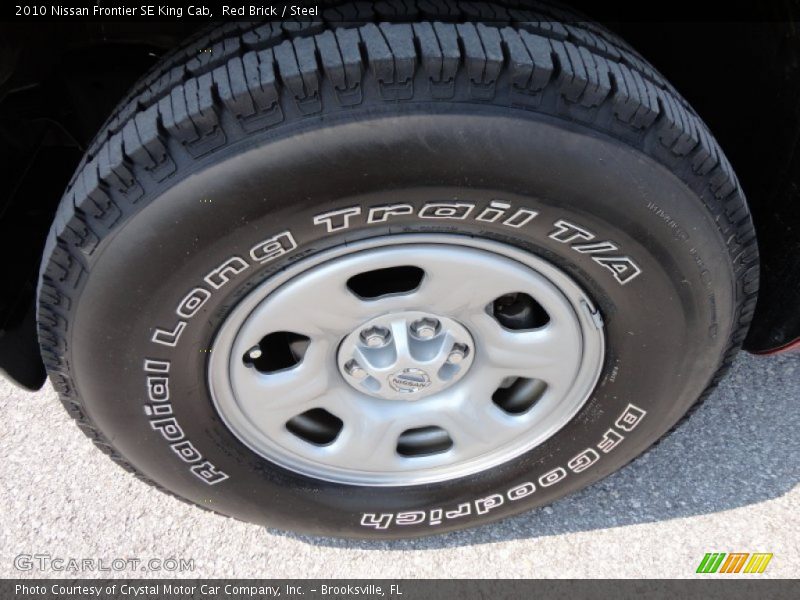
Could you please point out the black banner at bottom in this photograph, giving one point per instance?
(398, 589)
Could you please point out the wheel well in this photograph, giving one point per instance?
(58, 85)
(751, 103)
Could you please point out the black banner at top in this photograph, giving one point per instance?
(363, 11)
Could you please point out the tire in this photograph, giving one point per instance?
(226, 176)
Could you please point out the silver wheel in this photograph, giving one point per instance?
(406, 360)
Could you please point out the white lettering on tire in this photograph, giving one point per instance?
(630, 418)
(163, 420)
(623, 268)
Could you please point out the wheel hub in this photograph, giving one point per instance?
(406, 355)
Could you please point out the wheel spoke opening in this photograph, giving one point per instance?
(277, 351)
(519, 311)
(423, 441)
(316, 426)
(377, 283)
(517, 395)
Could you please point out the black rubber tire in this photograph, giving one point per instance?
(215, 152)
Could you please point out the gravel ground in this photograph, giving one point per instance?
(726, 481)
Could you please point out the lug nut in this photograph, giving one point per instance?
(375, 337)
(355, 370)
(425, 328)
(254, 353)
(457, 354)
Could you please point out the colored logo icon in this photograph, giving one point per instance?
(734, 562)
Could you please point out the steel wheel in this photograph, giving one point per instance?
(406, 360)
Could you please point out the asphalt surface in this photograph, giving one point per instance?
(725, 481)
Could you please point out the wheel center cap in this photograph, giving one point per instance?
(409, 381)
(406, 355)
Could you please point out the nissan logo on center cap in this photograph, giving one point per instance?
(409, 381)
